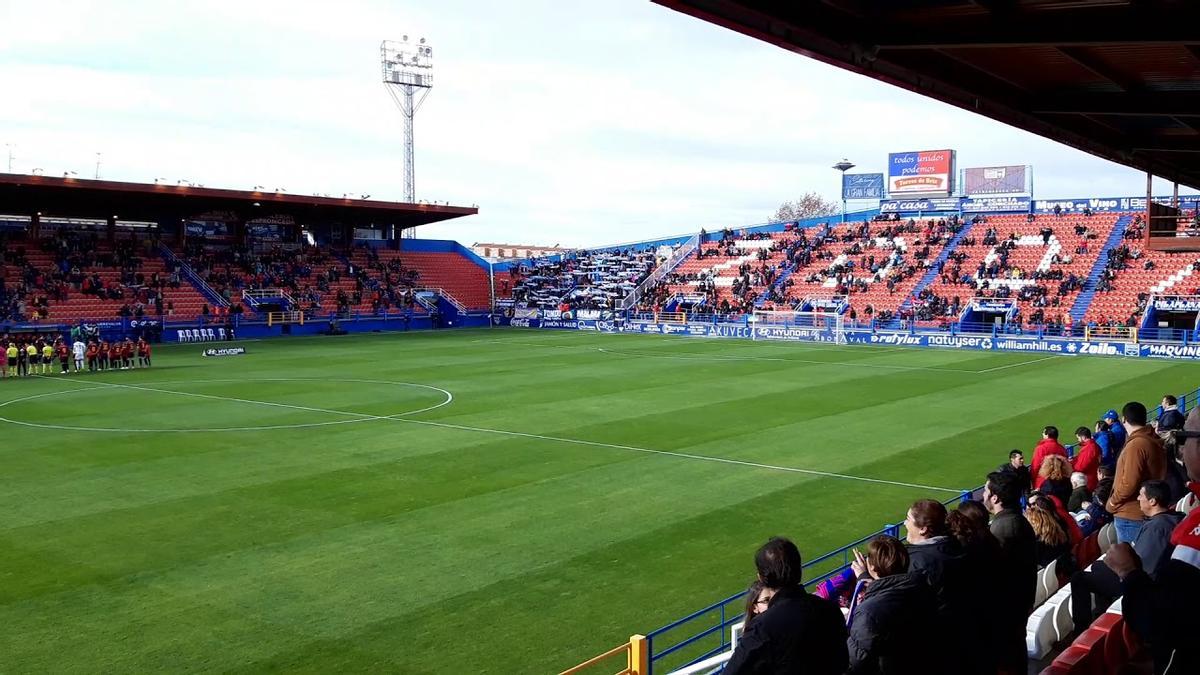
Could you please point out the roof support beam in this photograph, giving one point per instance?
(1167, 104)
(1098, 67)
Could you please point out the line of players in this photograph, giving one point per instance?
(37, 357)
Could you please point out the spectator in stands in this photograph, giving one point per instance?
(1164, 609)
(1095, 516)
(896, 610)
(1056, 477)
(797, 632)
(1170, 418)
(1051, 539)
(1049, 445)
(981, 552)
(1079, 492)
(1087, 458)
(1016, 577)
(1118, 431)
(939, 559)
(1104, 440)
(1016, 465)
(757, 599)
(1142, 459)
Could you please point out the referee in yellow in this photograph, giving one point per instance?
(47, 358)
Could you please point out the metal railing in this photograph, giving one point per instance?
(716, 619)
(191, 275)
(442, 292)
(677, 256)
(728, 611)
(636, 653)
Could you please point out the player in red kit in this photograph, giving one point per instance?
(143, 351)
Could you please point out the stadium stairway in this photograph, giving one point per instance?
(1079, 309)
(189, 275)
(785, 271)
(932, 272)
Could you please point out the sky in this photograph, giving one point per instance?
(569, 123)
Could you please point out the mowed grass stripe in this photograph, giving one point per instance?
(337, 555)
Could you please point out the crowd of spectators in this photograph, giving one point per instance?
(969, 576)
(78, 258)
(305, 272)
(587, 280)
(384, 284)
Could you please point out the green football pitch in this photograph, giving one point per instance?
(502, 501)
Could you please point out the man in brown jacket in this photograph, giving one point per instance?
(1142, 459)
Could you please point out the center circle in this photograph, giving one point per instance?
(352, 417)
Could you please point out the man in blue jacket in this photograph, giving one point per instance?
(1117, 430)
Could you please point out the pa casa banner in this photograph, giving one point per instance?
(950, 204)
(924, 172)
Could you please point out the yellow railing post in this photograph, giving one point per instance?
(1087, 333)
(270, 316)
(685, 317)
(1133, 333)
(301, 318)
(639, 655)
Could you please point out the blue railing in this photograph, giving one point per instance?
(716, 619)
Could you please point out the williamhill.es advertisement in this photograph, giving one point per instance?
(925, 172)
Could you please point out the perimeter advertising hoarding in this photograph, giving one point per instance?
(996, 205)
(994, 180)
(950, 204)
(862, 186)
(923, 172)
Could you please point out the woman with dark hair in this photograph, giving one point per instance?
(969, 525)
(895, 615)
(758, 597)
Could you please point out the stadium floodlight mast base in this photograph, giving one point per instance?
(408, 75)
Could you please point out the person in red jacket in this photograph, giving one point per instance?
(1048, 446)
(1087, 458)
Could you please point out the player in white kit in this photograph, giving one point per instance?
(78, 349)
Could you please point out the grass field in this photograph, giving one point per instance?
(427, 503)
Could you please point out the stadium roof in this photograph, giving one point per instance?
(1117, 78)
(22, 194)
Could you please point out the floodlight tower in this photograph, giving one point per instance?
(408, 76)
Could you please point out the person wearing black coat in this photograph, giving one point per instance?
(896, 613)
(798, 632)
(1016, 575)
(939, 558)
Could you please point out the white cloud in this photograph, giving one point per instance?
(566, 122)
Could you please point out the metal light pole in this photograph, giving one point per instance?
(97, 166)
(843, 166)
(408, 76)
(10, 147)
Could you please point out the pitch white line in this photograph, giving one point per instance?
(1015, 365)
(519, 434)
(359, 417)
(684, 455)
